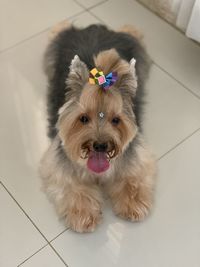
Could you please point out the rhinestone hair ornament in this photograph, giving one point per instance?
(101, 115)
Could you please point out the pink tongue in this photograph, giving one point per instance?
(98, 162)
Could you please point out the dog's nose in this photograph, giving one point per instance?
(100, 147)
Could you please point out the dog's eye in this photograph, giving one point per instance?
(115, 120)
(84, 119)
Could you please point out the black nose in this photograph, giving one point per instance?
(100, 147)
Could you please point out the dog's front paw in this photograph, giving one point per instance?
(131, 204)
(84, 216)
(132, 210)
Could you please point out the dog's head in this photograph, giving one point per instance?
(96, 125)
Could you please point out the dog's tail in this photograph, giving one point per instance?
(61, 26)
(132, 31)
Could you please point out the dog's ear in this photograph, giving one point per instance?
(78, 74)
(133, 71)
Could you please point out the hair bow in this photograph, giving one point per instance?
(98, 77)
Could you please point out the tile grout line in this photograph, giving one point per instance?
(165, 20)
(25, 213)
(38, 33)
(32, 255)
(100, 20)
(46, 29)
(58, 255)
(178, 144)
(3, 51)
(173, 148)
(49, 242)
(159, 16)
(171, 76)
(92, 6)
(22, 42)
(94, 15)
(58, 235)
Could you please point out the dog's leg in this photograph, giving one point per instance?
(77, 203)
(81, 207)
(61, 26)
(132, 193)
(132, 31)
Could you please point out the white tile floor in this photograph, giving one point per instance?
(30, 233)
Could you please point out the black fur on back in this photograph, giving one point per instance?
(86, 43)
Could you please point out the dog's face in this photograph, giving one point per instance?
(95, 125)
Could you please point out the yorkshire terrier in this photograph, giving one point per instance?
(96, 82)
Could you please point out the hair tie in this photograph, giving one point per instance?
(98, 77)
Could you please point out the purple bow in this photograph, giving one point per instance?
(111, 78)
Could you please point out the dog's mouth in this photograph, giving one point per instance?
(98, 162)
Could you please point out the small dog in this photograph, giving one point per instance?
(96, 85)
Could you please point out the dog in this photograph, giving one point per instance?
(96, 80)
